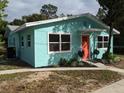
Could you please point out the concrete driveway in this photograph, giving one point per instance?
(117, 87)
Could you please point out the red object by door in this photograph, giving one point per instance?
(85, 46)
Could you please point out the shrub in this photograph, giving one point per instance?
(73, 62)
(117, 59)
(63, 62)
(111, 58)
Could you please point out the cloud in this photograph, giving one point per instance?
(18, 8)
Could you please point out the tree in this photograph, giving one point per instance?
(3, 5)
(112, 10)
(49, 11)
(17, 22)
(101, 14)
(32, 18)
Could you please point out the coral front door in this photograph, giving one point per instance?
(85, 46)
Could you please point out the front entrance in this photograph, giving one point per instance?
(85, 46)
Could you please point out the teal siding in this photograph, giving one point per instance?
(13, 41)
(10, 39)
(27, 53)
(43, 58)
(101, 50)
(38, 55)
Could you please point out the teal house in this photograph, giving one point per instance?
(44, 43)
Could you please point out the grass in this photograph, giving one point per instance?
(63, 82)
(18, 76)
(13, 64)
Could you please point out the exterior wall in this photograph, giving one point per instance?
(101, 50)
(43, 57)
(38, 55)
(13, 41)
(75, 27)
(26, 53)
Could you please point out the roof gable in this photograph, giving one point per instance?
(10, 28)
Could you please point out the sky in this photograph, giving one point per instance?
(18, 8)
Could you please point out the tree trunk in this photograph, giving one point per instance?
(110, 36)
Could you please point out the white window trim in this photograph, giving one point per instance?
(60, 33)
(102, 41)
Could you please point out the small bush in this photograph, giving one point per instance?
(111, 58)
(63, 62)
(73, 62)
(117, 59)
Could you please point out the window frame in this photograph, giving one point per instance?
(28, 40)
(103, 41)
(60, 51)
(22, 41)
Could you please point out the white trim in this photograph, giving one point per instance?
(103, 42)
(116, 31)
(60, 33)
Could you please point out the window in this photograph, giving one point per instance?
(28, 40)
(102, 41)
(22, 41)
(65, 42)
(59, 42)
(54, 42)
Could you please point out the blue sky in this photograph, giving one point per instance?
(18, 8)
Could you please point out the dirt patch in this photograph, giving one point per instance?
(37, 76)
(60, 82)
(10, 86)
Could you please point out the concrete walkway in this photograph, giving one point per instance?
(117, 87)
(100, 66)
(121, 71)
(48, 69)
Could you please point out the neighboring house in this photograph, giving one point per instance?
(44, 43)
